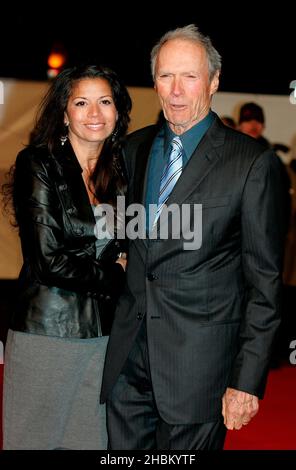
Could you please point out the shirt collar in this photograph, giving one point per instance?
(191, 138)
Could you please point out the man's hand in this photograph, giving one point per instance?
(238, 408)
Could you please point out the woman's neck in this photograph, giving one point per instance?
(87, 154)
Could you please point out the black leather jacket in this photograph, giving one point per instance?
(63, 289)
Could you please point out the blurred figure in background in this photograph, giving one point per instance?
(284, 152)
(228, 121)
(288, 327)
(252, 122)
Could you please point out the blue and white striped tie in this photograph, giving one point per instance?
(171, 174)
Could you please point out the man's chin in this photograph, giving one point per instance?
(181, 126)
(178, 122)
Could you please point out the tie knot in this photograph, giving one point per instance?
(176, 143)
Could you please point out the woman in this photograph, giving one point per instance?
(69, 280)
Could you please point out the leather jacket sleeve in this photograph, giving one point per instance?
(53, 256)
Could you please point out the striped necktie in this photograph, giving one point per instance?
(170, 175)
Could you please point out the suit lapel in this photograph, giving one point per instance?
(203, 159)
(140, 180)
(141, 169)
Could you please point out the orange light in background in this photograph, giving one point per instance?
(56, 60)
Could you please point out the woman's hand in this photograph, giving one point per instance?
(122, 260)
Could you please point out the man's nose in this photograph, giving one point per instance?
(177, 87)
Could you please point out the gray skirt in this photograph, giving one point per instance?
(51, 393)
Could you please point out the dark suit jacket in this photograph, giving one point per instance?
(211, 313)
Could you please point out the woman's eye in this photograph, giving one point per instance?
(106, 101)
(80, 103)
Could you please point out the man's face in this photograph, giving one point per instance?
(253, 128)
(182, 83)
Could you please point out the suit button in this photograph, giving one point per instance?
(152, 277)
(108, 297)
(62, 187)
(101, 296)
(71, 210)
(139, 316)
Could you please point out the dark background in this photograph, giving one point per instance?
(258, 50)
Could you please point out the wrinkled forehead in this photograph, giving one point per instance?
(181, 54)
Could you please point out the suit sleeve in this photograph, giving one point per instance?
(43, 241)
(262, 228)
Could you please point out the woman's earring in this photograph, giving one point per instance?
(64, 138)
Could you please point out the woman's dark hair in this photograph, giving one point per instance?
(107, 177)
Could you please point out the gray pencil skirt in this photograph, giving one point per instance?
(51, 393)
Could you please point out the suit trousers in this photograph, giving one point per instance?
(133, 421)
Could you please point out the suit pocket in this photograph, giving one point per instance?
(215, 202)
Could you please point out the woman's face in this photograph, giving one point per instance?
(91, 113)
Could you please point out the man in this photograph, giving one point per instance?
(252, 122)
(193, 330)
